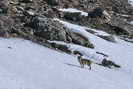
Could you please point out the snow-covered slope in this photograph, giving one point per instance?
(26, 65)
(131, 22)
(131, 2)
(73, 10)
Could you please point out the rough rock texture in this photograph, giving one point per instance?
(125, 27)
(73, 16)
(4, 6)
(33, 19)
(81, 40)
(118, 9)
(52, 2)
(108, 38)
(6, 24)
(118, 6)
(49, 29)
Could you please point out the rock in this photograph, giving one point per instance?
(6, 24)
(33, 19)
(29, 13)
(52, 2)
(118, 6)
(127, 38)
(49, 29)
(26, 1)
(109, 63)
(108, 38)
(4, 5)
(75, 16)
(97, 12)
(81, 40)
(75, 52)
(105, 55)
(121, 27)
(99, 15)
(61, 47)
(3, 33)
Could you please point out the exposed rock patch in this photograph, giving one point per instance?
(49, 29)
(33, 19)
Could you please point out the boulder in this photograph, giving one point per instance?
(52, 2)
(4, 5)
(26, 1)
(6, 24)
(108, 38)
(75, 16)
(61, 47)
(49, 29)
(109, 64)
(75, 52)
(81, 40)
(97, 12)
(121, 27)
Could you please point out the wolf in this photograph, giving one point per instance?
(83, 62)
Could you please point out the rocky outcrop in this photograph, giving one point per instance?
(52, 2)
(118, 6)
(81, 40)
(76, 16)
(61, 47)
(48, 29)
(109, 64)
(108, 38)
(4, 6)
(33, 19)
(122, 26)
(6, 24)
(117, 11)
(26, 1)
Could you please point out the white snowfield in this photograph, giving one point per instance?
(130, 2)
(87, 52)
(131, 22)
(26, 65)
(100, 44)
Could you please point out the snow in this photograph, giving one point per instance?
(77, 28)
(100, 44)
(82, 30)
(88, 52)
(73, 10)
(131, 2)
(131, 22)
(26, 65)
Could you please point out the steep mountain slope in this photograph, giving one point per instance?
(38, 39)
(131, 2)
(29, 65)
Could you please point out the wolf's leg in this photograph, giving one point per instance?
(90, 67)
